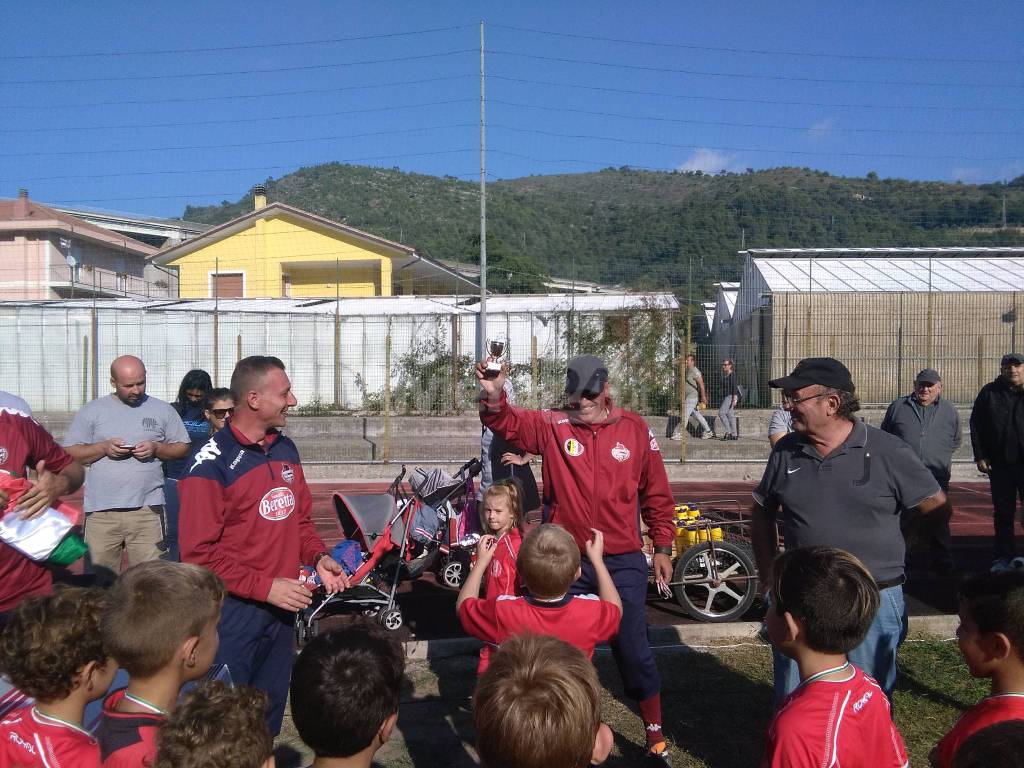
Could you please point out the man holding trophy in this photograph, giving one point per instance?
(601, 464)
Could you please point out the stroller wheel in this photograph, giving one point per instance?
(453, 574)
(391, 619)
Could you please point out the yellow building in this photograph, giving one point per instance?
(278, 251)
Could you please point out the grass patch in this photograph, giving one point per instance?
(716, 706)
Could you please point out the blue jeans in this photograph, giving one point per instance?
(876, 656)
(171, 520)
(727, 415)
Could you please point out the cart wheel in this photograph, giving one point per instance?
(736, 587)
(453, 574)
(391, 619)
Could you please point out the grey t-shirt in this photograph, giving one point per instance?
(691, 390)
(125, 483)
(850, 499)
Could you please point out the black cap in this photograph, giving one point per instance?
(928, 376)
(585, 373)
(1012, 359)
(826, 371)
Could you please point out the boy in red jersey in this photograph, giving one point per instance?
(548, 564)
(160, 623)
(52, 650)
(991, 638)
(823, 601)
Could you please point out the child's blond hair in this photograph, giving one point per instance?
(509, 491)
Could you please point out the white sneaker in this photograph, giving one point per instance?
(1017, 564)
(676, 436)
(708, 435)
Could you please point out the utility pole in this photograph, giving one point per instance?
(481, 329)
(689, 304)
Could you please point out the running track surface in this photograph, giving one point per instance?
(429, 609)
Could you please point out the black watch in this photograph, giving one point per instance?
(663, 551)
(320, 556)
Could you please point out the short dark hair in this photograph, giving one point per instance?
(547, 562)
(215, 394)
(50, 638)
(538, 704)
(996, 603)
(154, 607)
(345, 684)
(830, 592)
(849, 403)
(997, 746)
(249, 373)
(216, 726)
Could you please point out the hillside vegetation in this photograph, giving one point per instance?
(643, 228)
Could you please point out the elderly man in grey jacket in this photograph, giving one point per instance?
(931, 426)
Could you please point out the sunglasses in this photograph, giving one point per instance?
(220, 413)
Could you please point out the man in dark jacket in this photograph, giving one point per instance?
(602, 465)
(931, 426)
(997, 436)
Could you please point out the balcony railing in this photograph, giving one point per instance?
(89, 280)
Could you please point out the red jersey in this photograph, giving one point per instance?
(501, 577)
(595, 475)
(825, 723)
(246, 512)
(30, 738)
(581, 620)
(127, 739)
(989, 711)
(23, 443)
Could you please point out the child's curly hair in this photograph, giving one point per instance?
(216, 726)
(50, 638)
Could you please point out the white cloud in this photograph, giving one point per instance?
(822, 128)
(710, 161)
(970, 174)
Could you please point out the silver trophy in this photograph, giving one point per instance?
(495, 350)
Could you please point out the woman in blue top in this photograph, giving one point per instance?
(189, 405)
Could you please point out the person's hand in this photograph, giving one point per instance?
(3, 501)
(491, 387)
(289, 594)
(114, 449)
(595, 545)
(46, 489)
(702, 404)
(332, 575)
(662, 572)
(983, 466)
(144, 450)
(485, 550)
(514, 458)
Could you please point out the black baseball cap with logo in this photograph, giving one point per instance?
(1013, 358)
(825, 371)
(585, 375)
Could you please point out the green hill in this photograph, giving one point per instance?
(639, 228)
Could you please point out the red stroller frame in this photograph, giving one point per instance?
(381, 524)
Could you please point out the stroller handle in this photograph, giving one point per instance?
(473, 466)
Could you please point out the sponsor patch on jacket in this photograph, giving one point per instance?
(573, 447)
(287, 473)
(3, 455)
(277, 503)
(654, 440)
(620, 452)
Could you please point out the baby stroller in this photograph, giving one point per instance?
(401, 537)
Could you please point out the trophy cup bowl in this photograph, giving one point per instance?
(495, 350)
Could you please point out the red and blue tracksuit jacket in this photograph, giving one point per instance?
(246, 512)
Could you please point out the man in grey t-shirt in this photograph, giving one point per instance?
(695, 397)
(124, 438)
(841, 483)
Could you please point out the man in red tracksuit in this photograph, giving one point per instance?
(603, 470)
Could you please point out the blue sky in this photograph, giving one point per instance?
(231, 93)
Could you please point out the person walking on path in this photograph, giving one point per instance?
(695, 399)
(997, 437)
(730, 398)
(841, 483)
(602, 469)
(123, 439)
(931, 426)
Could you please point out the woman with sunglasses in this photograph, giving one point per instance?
(219, 406)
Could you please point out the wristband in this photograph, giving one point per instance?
(663, 551)
(320, 556)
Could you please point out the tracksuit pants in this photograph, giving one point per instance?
(256, 642)
(1007, 483)
(631, 648)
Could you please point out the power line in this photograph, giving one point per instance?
(181, 76)
(237, 145)
(749, 149)
(223, 48)
(235, 96)
(740, 75)
(238, 121)
(830, 129)
(759, 52)
(770, 102)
